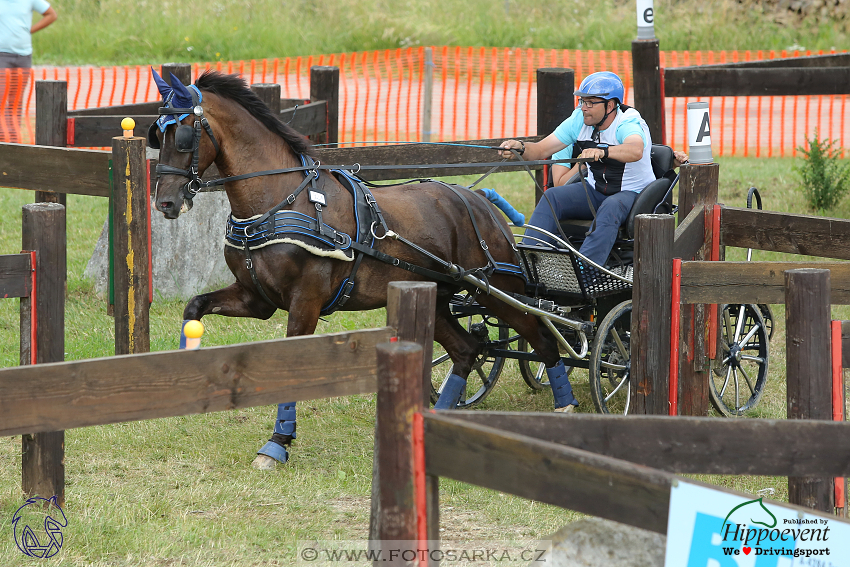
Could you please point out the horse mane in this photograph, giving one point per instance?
(233, 87)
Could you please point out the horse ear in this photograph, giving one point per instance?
(180, 90)
(164, 88)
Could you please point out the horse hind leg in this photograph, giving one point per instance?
(545, 345)
(462, 348)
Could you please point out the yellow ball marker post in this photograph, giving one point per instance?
(127, 125)
(190, 336)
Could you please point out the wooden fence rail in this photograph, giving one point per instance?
(785, 232)
(82, 393)
(753, 282)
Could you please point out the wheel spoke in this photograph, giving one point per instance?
(726, 382)
(628, 393)
(612, 366)
(757, 359)
(727, 322)
(737, 390)
(481, 374)
(541, 369)
(739, 324)
(747, 379)
(749, 335)
(440, 359)
(620, 385)
(623, 352)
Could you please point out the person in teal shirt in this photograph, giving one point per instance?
(16, 29)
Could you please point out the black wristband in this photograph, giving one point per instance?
(605, 149)
(522, 150)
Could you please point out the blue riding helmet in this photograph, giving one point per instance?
(604, 84)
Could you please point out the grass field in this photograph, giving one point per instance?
(121, 32)
(181, 491)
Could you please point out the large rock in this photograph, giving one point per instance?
(188, 252)
(594, 542)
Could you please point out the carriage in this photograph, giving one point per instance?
(597, 301)
(299, 232)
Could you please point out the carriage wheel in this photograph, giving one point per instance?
(738, 382)
(485, 370)
(610, 363)
(534, 373)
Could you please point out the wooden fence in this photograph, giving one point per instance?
(166, 384)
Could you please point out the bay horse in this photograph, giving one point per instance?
(220, 120)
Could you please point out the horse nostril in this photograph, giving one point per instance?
(165, 205)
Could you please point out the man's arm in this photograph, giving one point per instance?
(46, 19)
(561, 173)
(629, 151)
(534, 150)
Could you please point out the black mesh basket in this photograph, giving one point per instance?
(566, 272)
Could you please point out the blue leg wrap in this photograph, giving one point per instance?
(562, 390)
(285, 424)
(182, 336)
(284, 433)
(450, 395)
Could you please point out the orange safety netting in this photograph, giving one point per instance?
(477, 93)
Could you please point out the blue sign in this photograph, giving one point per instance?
(47, 542)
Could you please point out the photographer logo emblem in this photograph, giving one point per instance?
(36, 537)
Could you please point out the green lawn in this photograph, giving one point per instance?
(123, 32)
(180, 491)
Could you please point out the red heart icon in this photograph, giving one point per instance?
(747, 550)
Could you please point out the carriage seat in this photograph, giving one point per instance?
(648, 200)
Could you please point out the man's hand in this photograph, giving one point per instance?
(679, 158)
(510, 145)
(593, 154)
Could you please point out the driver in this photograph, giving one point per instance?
(617, 139)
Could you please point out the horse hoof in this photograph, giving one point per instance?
(264, 463)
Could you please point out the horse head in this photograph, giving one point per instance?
(195, 127)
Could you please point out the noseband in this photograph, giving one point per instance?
(186, 139)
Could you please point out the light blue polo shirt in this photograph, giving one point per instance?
(16, 22)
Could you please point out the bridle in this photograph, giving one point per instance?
(186, 139)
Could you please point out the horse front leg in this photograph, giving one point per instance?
(232, 301)
(302, 321)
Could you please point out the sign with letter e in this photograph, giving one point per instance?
(710, 527)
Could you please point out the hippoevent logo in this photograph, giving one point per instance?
(772, 538)
(48, 541)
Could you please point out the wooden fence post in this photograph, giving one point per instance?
(130, 208)
(399, 397)
(324, 85)
(555, 103)
(51, 125)
(651, 312)
(808, 369)
(698, 187)
(646, 70)
(182, 71)
(269, 93)
(411, 307)
(43, 230)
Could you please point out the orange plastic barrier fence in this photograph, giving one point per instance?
(477, 93)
